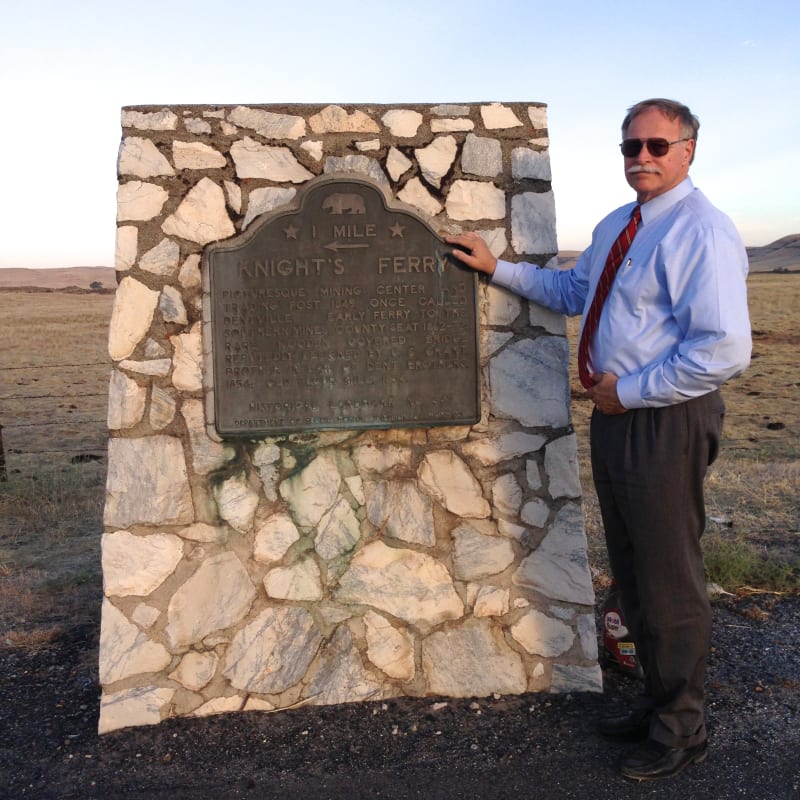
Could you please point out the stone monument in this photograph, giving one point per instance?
(341, 468)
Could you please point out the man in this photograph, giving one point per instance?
(672, 329)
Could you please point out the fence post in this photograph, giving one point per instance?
(3, 474)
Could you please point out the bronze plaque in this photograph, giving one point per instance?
(341, 312)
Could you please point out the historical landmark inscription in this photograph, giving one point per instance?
(341, 313)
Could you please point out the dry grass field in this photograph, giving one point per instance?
(54, 371)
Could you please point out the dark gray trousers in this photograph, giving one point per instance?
(648, 467)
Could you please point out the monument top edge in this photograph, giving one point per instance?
(296, 106)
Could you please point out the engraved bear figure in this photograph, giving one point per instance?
(344, 203)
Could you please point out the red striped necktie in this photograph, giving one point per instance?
(613, 261)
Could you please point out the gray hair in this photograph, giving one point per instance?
(671, 109)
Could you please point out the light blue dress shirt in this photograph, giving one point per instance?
(675, 324)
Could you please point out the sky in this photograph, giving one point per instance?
(67, 67)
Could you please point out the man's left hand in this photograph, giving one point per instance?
(604, 394)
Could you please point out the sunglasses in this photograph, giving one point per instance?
(656, 147)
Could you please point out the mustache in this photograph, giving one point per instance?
(642, 168)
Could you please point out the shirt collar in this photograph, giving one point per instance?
(656, 206)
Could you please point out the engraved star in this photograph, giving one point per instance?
(291, 232)
(397, 230)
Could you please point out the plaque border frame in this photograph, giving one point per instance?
(242, 239)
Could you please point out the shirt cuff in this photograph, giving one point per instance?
(504, 273)
(628, 392)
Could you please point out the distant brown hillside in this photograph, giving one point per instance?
(63, 278)
(782, 255)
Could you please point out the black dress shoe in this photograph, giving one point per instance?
(631, 727)
(655, 760)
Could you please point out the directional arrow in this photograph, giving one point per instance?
(336, 246)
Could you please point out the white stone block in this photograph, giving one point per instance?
(217, 596)
(139, 201)
(142, 159)
(196, 155)
(497, 116)
(202, 216)
(411, 586)
(436, 159)
(126, 401)
(268, 124)
(474, 200)
(402, 123)
(542, 635)
(416, 195)
(138, 565)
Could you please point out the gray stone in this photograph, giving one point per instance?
(573, 678)
(471, 661)
(529, 382)
(561, 465)
(195, 670)
(507, 495)
(171, 306)
(476, 555)
(482, 156)
(558, 568)
(399, 510)
(147, 483)
(162, 408)
(260, 201)
(533, 228)
(273, 652)
(533, 164)
(542, 635)
(340, 676)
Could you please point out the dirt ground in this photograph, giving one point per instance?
(533, 746)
